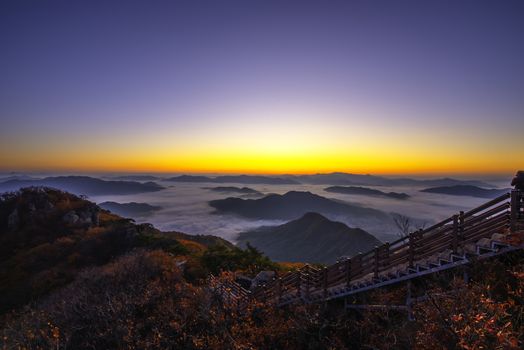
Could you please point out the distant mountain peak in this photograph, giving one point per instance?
(300, 194)
(313, 216)
(311, 238)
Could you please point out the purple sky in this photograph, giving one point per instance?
(106, 71)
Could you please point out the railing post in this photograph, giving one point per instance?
(307, 281)
(298, 284)
(514, 210)
(377, 258)
(461, 229)
(455, 233)
(356, 265)
(385, 262)
(348, 272)
(324, 281)
(279, 290)
(411, 249)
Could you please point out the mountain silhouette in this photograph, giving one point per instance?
(312, 238)
(137, 178)
(365, 191)
(232, 189)
(242, 179)
(464, 190)
(190, 178)
(131, 209)
(291, 205)
(84, 185)
(339, 178)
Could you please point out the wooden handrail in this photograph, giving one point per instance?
(484, 206)
(451, 233)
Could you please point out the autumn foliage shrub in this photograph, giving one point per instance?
(251, 260)
(142, 301)
(480, 315)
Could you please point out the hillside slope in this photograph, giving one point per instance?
(47, 236)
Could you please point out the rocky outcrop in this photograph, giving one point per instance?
(71, 218)
(88, 216)
(36, 206)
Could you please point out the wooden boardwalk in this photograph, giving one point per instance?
(480, 233)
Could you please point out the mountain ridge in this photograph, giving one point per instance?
(243, 179)
(131, 209)
(467, 190)
(290, 205)
(232, 189)
(365, 191)
(84, 185)
(335, 178)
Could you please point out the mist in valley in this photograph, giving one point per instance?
(184, 206)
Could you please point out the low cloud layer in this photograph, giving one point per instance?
(185, 208)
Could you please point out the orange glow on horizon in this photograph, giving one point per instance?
(270, 165)
(275, 148)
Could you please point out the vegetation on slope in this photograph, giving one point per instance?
(152, 293)
(48, 236)
(142, 301)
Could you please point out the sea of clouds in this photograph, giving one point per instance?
(185, 207)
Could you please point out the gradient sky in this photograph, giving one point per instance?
(262, 86)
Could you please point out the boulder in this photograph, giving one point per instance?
(95, 218)
(71, 218)
(47, 205)
(85, 217)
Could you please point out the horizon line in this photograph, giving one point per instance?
(260, 173)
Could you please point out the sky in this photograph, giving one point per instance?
(385, 87)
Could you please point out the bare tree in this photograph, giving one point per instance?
(406, 225)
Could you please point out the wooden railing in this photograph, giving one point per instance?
(451, 234)
(230, 292)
